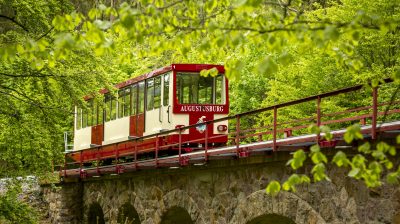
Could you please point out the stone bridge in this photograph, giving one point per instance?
(221, 191)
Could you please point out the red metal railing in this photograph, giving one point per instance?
(242, 140)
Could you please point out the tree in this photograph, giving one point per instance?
(277, 40)
(37, 92)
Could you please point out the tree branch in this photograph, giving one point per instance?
(39, 75)
(45, 34)
(14, 21)
(170, 5)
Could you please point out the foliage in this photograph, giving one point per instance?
(368, 165)
(273, 51)
(37, 92)
(12, 208)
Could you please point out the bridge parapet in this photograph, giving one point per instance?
(230, 191)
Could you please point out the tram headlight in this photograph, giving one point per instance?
(222, 128)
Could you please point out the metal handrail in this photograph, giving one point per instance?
(237, 134)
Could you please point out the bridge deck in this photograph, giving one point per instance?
(238, 151)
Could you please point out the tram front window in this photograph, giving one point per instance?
(195, 89)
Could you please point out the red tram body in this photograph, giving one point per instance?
(165, 99)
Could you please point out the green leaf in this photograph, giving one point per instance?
(267, 66)
(319, 157)
(305, 179)
(315, 148)
(396, 78)
(392, 150)
(318, 172)
(375, 167)
(353, 172)
(353, 132)
(375, 83)
(348, 137)
(298, 159)
(314, 129)
(273, 188)
(382, 146)
(378, 155)
(392, 178)
(388, 165)
(93, 13)
(328, 136)
(285, 58)
(358, 161)
(365, 148)
(325, 129)
(340, 159)
(103, 25)
(286, 186)
(239, 3)
(398, 139)
(331, 32)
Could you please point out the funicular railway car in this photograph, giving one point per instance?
(165, 99)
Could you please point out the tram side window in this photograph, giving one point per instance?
(108, 106)
(187, 87)
(90, 113)
(141, 98)
(150, 94)
(157, 92)
(100, 114)
(219, 88)
(166, 90)
(84, 118)
(127, 105)
(195, 89)
(78, 118)
(121, 103)
(124, 102)
(134, 93)
(205, 88)
(113, 108)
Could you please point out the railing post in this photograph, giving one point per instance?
(65, 165)
(156, 155)
(274, 131)
(180, 145)
(80, 163)
(318, 118)
(98, 161)
(206, 142)
(117, 159)
(237, 134)
(136, 150)
(374, 111)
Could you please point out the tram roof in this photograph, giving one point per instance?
(159, 71)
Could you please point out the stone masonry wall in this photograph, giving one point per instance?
(64, 203)
(226, 192)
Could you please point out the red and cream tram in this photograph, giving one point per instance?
(168, 98)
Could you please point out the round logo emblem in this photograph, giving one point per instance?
(201, 128)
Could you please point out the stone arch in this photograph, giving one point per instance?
(176, 215)
(95, 214)
(179, 198)
(128, 215)
(284, 204)
(271, 219)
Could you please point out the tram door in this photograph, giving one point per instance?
(137, 119)
(165, 112)
(98, 125)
